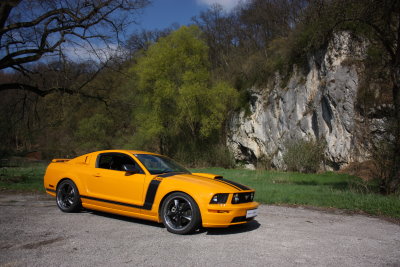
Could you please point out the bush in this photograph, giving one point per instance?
(264, 163)
(304, 156)
(383, 159)
(217, 155)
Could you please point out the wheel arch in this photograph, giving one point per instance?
(75, 181)
(170, 193)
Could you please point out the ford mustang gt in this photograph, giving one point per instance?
(148, 186)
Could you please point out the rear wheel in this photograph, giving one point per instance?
(67, 197)
(180, 214)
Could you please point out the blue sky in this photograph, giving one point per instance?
(163, 13)
(159, 15)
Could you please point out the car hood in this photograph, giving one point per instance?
(213, 181)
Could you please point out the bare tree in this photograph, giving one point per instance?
(33, 30)
(141, 40)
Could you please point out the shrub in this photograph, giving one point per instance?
(217, 155)
(264, 163)
(383, 159)
(304, 156)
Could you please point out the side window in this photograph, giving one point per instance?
(115, 161)
(104, 161)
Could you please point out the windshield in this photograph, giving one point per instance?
(158, 164)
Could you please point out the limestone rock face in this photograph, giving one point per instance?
(318, 105)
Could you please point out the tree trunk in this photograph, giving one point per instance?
(395, 179)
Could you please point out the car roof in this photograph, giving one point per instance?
(126, 151)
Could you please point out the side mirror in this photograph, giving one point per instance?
(130, 168)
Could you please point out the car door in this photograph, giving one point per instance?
(111, 184)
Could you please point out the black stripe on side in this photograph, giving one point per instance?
(151, 194)
(224, 182)
(50, 190)
(112, 202)
(243, 187)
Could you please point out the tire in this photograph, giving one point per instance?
(180, 214)
(67, 197)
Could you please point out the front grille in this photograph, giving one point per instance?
(242, 197)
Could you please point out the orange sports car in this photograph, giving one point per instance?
(148, 186)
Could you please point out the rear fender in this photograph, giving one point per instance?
(77, 181)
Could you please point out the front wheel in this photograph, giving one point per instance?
(67, 196)
(180, 214)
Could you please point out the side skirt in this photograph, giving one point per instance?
(133, 214)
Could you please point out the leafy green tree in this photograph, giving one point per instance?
(180, 103)
(95, 133)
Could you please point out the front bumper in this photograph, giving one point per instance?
(224, 215)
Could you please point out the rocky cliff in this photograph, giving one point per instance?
(319, 105)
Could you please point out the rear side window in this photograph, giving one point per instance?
(115, 161)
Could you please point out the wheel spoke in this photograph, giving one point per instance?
(70, 200)
(64, 190)
(185, 206)
(176, 202)
(169, 213)
(189, 218)
(71, 193)
(179, 221)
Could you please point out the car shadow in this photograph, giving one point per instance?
(234, 229)
(124, 218)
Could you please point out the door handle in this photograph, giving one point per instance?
(97, 175)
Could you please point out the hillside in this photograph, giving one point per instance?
(320, 104)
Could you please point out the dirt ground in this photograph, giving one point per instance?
(35, 233)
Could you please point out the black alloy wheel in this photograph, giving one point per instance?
(67, 196)
(180, 214)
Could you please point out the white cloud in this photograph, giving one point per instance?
(96, 52)
(226, 4)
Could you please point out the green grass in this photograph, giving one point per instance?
(321, 190)
(328, 189)
(25, 178)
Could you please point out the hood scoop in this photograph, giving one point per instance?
(209, 175)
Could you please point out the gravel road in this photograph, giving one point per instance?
(33, 232)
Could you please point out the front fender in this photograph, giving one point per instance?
(201, 195)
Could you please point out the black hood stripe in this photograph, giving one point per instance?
(242, 187)
(168, 174)
(226, 183)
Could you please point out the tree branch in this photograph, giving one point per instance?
(42, 93)
(57, 21)
(5, 10)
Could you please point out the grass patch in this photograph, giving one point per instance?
(328, 189)
(27, 177)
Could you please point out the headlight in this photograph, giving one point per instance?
(235, 198)
(219, 199)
